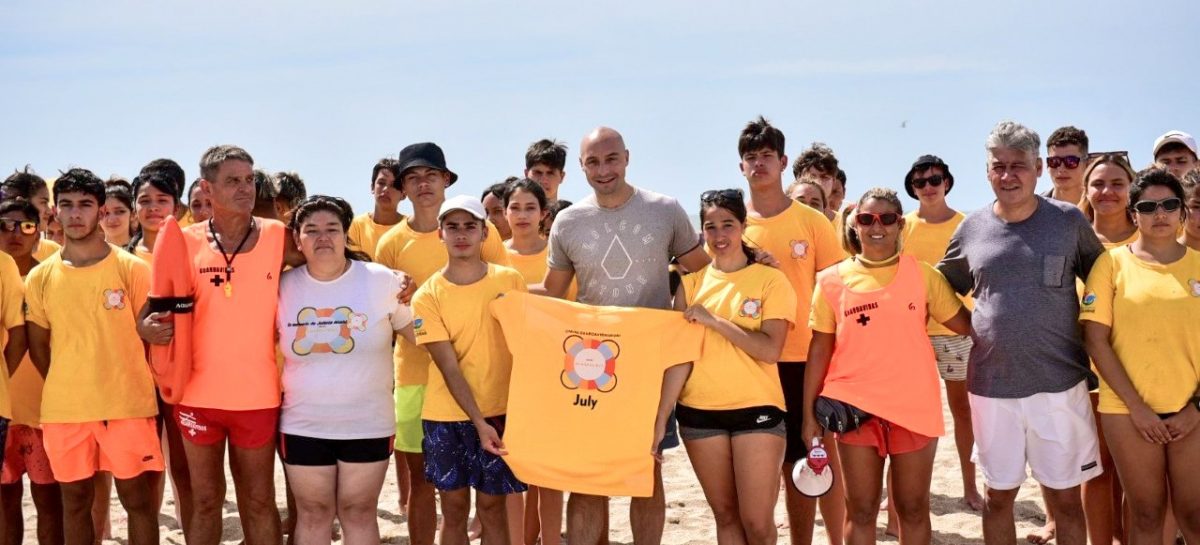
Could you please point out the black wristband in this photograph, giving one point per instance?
(180, 305)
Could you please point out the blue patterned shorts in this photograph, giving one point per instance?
(455, 459)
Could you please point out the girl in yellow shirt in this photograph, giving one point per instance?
(731, 410)
(1191, 228)
(1138, 313)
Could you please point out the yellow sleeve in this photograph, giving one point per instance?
(13, 293)
(942, 300)
(1099, 292)
(779, 298)
(493, 247)
(35, 309)
(385, 251)
(427, 317)
(821, 317)
(688, 283)
(139, 284)
(828, 244)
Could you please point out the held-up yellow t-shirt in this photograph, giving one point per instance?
(586, 383)
(445, 311)
(943, 302)
(25, 386)
(533, 268)
(11, 299)
(1152, 311)
(803, 241)
(98, 368)
(420, 255)
(365, 234)
(726, 377)
(928, 242)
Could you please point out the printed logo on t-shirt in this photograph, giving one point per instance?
(1089, 298)
(751, 308)
(863, 311)
(1195, 287)
(114, 299)
(591, 364)
(799, 248)
(326, 330)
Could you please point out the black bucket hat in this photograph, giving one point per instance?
(423, 154)
(923, 162)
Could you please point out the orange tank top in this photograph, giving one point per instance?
(882, 360)
(233, 337)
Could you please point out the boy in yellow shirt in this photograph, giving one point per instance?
(98, 402)
(368, 228)
(463, 414)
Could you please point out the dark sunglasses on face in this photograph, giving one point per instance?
(1069, 161)
(11, 226)
(933, 181)
(866, 219)
(1149, 207)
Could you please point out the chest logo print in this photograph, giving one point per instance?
(590, 364)
(326, 330)
(1195, 287)
(799, 248)
(751, 308)
(114, 299)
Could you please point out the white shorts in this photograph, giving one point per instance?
(1054, 434)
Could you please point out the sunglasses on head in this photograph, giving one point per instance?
(11, 226)
(1149, 207)
(718, 194)
(1069, 161)
(933, 181)
(1123, 155)
(867, 219)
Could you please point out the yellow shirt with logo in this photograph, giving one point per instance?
(365, 234)
(943, 302)
(98, 368)
(445, 311)
(1152, 311)
(928, 242)
(803, 241)
(420, 255)
(533, 268)
(726, 377)
(11, 300)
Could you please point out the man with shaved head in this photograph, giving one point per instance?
(619, 242)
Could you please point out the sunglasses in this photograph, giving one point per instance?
(933, 181)
(1149, 207)
(866, 219)
(1124, 155)
(714, 195)
(11, 226)
(1069, 161)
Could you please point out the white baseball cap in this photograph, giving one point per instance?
(1176, 137)
(467, 204)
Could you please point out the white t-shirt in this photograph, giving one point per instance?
(336, 339)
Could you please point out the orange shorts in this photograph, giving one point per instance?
(23, 454)
(245, 429)
(886, 437)
(126, 448)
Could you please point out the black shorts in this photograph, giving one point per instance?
(298, 450)
(791, 377)
(701, 423)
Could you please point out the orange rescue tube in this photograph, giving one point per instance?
(172, 290)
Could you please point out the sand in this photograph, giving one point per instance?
(689, 520)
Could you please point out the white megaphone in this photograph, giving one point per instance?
(813, 476)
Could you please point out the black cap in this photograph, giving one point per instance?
(423, 154)
(923, 162)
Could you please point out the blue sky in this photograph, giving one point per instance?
(326, 88)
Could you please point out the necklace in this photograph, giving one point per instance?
(230, 257)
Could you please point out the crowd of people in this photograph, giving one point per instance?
(1061, 326)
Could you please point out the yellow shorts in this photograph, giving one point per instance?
(409, 434)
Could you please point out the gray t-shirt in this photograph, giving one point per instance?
(620, 255)
(1027, 337)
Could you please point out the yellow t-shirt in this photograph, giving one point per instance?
(98, 368)
(1152, 311)
(943, 302)
(533, 268)
(25, 386)
(365, 234)
(586, 383)
(420, 255)
(928, 242)
(726, 377)
(11, 299)
(445, 311)
(45, 249)
(803, 241)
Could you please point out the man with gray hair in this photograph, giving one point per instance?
(1028, 375)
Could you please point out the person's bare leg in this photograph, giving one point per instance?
(1067, 504)
(863, 468)
(1183, 471)
(422, 509)
(1143, 465)
(78, 497)
(140, 498)
(358, 487)
(550, 516)
(712, 461)
(101, 506)
(402, 480)
(755, 455)
(999, 526)
(893, 519)
(531, 521)
(801, 510)
(514, 507)
(1098, 507)
(456, 507)
(1046, 532)
(964, 438)
(206, 466)
(647, 516)
(587, 519)
(833, 504)
(47, 500)
(492, 513)
(11, 496)
(177, 466)
(315, 491)
(254, 476)
(911, 478)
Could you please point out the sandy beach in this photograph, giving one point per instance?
(689, 521)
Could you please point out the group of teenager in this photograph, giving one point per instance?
(344, 343)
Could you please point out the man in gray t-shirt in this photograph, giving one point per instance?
(619, 241)
(1028, 374)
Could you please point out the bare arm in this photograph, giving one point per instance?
(39, 347)
(673, 380)
(155, 327)
(556, 284)
(1096, 340)
(14, 351)
(764, 345)
(960, 323)
(694, 260)
(447, 362)
(820, 352)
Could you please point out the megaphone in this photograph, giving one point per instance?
(813, 476)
